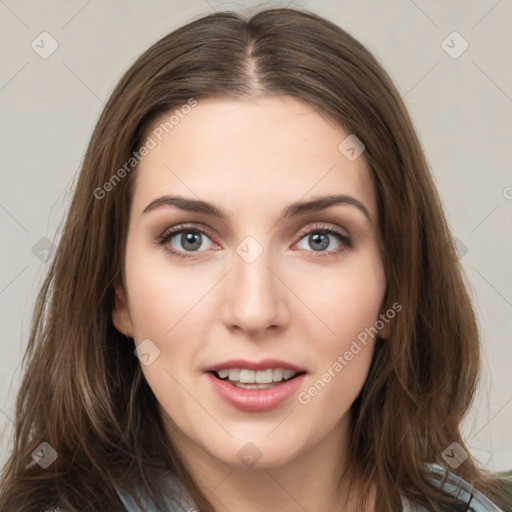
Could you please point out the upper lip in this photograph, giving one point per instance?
(264, 364)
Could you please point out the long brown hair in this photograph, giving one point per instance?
(83, 391)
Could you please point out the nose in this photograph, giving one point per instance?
(255, 299)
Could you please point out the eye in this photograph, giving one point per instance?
(183, 241)
(328, 240)
(180, 240)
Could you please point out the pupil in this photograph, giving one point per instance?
(317, 238)
(194, 239)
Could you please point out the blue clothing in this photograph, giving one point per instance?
(174, 488)
(457, 487)
(454, 485)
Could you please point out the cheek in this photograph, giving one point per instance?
(343, 360)
(162, 310)
(166, 307)
(162, 295)
(349, 306)
(343, 299)
(330, 393)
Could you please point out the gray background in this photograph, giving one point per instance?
(461, 107)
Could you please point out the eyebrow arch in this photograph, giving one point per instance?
(292, 210)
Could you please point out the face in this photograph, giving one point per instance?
(247, 298)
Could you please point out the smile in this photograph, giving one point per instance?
(251, 379)
(255, 396)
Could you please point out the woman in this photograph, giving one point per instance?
(255, 303)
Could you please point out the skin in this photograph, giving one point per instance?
(251, 159)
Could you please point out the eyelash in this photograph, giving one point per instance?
(345, 241)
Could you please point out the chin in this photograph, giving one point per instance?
(258, 452)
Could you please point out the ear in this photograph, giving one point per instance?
(121, 314)
(384, 332)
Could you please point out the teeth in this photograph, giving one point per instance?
(252, 386)
(288, 374)
(234, 374)
(245, 376)
(264, 377)
(277, 374)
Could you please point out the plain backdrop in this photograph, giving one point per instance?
(460, 100)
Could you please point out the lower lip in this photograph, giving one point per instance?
(256, 400)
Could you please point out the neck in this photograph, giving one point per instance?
(313, 481)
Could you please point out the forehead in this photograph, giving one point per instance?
(249, 153)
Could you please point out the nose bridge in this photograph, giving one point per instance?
(253, 299)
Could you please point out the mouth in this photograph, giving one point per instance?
(261, 379)
(255, 386)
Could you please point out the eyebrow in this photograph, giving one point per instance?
(292, 210)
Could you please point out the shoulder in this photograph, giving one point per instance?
(456, 486)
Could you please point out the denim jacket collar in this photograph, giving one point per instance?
(455, 485)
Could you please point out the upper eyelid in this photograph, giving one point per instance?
(319, 227)
(179, 228)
